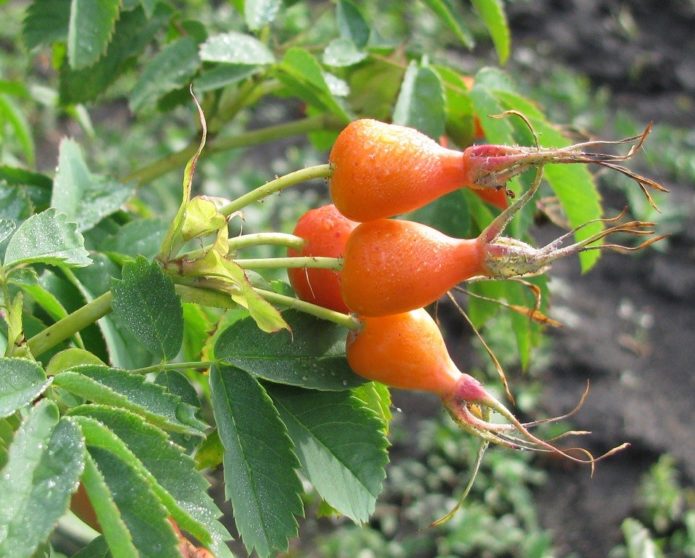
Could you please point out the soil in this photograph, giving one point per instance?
(630, 322)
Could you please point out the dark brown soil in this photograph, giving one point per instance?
(630, 323)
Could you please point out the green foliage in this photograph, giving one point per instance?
(311, 355)
(119, 288)
(83, 197)
(666, 524)
(145, 301)
(22, 382)
(48, 237)
(45, 461)
(344, 464)
(260, 479)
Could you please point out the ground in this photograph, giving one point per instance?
(630, 323)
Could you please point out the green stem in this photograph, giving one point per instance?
(205, 297)
(290, 262)
(178, 159)
(89, 313)
(339, 318)
(72, 323)
(269, 188)
(267, 239)
(171, 366)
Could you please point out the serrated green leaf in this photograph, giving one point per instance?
(342, 52)
(446, 12)
(311, 356)
(45, 462)
(49, 238)
(90, 29)
(259, 464)
(341, 445)
(171, 69)
(259, 13)
(223, 75)
(133, 32)
(21, 381)
(132, 508)
(421, 103)
(494, 18)
(301, 73)
(236, 48)
(145, 302)
(115, 531)
(46, 21)
(14, 117)
(351, 23)
(93, 281)
(85, 198)
(54, 480)
(119, 388)
(173, 471)
(377, 397)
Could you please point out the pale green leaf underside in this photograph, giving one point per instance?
(259, 13)
(85, 198)
(236, 48)
(21, 381)
(47, 237)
